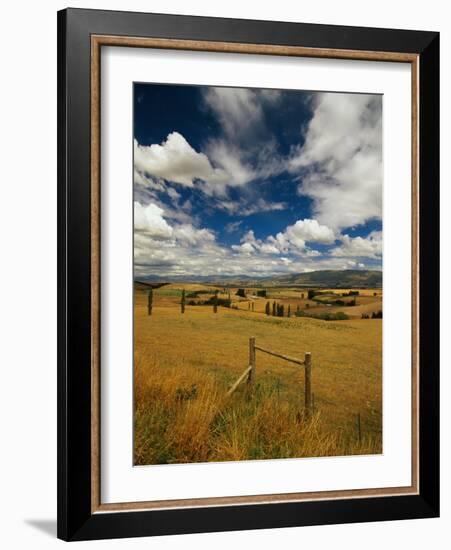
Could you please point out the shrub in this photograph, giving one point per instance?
(197, 293)
(241, 292)
(261, 293)
(327, 316)
(224, 302)
(149, 302)
(324, 316)
(182, 302)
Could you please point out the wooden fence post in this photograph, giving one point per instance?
(251, 377)
(308, 383)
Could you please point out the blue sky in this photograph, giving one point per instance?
(234, 181)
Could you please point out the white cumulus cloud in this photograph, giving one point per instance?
(149, 220)
(228, 157)
(175, 160)
(305, 231)
(340, 162)
(190, 235)
(293, 239)
(360, 247)
(239, 110)
(246, 149)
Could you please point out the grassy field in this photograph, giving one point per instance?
(185, 363)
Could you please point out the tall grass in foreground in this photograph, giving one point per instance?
(182, 415)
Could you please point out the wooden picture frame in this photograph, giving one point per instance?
(81, 35)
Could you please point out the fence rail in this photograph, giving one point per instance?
(250, 372)
(281, 356)
(240, 379)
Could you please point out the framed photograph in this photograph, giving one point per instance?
(248, 274)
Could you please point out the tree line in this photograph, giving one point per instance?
(215, 301)
(278, 310)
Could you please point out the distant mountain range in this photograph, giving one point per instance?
(350, 278)
(332, 278)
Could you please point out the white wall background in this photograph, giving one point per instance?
(28, 272)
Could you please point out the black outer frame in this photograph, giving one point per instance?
(75, 520)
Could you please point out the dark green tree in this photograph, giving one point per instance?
(274, 309)
(182, 302)
(149, 302)
(268, 309)
(289, 311)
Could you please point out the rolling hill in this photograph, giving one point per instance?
(331, 279)
(351, 278)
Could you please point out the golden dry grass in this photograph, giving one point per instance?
(184, 365)
(189, 287)
(368, 301)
